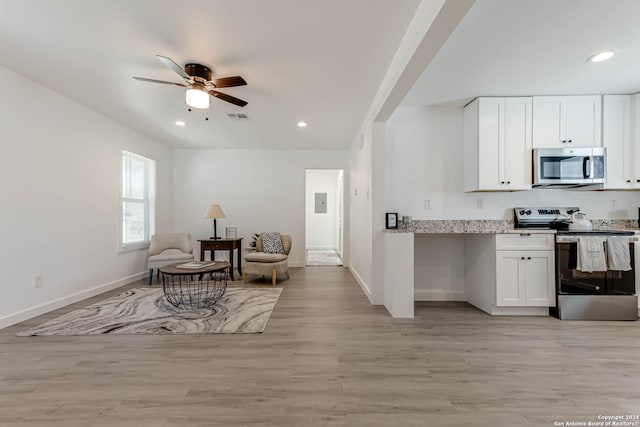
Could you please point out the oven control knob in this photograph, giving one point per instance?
(522, 212)
(528, 212)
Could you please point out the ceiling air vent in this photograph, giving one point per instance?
(237, 116)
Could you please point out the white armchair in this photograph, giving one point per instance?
(168, 249)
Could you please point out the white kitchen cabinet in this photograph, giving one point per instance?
(524, 241)
(567, 121)
(525, 278)
(497, 144)
(635, 138)
(617, 138)
(621, 137)
(510, 274)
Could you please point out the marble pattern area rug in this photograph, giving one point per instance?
(147, 311)
(323, 258)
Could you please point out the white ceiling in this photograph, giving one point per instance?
(315, 60)
(321, 61)
(535, 47)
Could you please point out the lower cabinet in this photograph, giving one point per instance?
(510, 273)
(525, 278)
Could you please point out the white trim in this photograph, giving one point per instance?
(134, 246)
(519, 311)
(38, 310)
(363, 285)
(438, 295)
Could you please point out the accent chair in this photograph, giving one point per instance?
(168, 249)
(265, 264)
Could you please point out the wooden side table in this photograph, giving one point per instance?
(214, 245)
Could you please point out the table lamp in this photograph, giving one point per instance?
(214, 212)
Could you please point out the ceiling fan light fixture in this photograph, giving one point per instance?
(196, 97)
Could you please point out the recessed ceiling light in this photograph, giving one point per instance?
(302, 124)
(602, 56)
(180, 123)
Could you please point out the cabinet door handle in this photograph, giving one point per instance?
(528, 257)
(637, 180)
(501, 182)
(570, 140)
(564, 141)
(508, 182)
(629, 180)
(525, 234)
(521, 257)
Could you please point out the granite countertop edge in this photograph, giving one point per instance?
(487, 226)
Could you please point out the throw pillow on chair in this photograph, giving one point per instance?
(272, 243)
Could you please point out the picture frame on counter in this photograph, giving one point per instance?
(391, 220)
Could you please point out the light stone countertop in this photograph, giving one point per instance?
(495, 226)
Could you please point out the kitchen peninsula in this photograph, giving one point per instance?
(483, 241)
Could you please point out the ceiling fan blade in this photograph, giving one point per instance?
(159, 81)
(175, 67)
(229, 81)
(228, 98)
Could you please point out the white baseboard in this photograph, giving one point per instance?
(437, 295)
(519, 311)
(363, 285)
(38, 310)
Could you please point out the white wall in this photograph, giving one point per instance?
(259, 190)
(438, 267)
(359, 207)
(321, 227)
(424, 162)
(340, 199)
(59, 199)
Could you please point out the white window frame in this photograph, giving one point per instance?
(148, 200)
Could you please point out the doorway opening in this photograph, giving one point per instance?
(324, 193)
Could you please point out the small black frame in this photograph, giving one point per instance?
(391, 220)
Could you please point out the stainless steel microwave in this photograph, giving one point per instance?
(569, 167)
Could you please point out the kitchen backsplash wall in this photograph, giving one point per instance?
(424, 161)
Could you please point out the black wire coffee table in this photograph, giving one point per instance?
(194, 288)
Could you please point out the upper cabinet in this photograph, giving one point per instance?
(497, 144)
(622, 141)
(567, 121)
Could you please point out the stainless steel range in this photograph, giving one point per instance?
(580, 294)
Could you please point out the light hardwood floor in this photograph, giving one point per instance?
(328, 358)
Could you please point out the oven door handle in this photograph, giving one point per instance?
(574, 239)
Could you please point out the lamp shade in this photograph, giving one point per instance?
(214, 211)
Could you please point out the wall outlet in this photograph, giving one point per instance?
(480, 203)
(612, 203)
(427, 204)
(37, 281)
